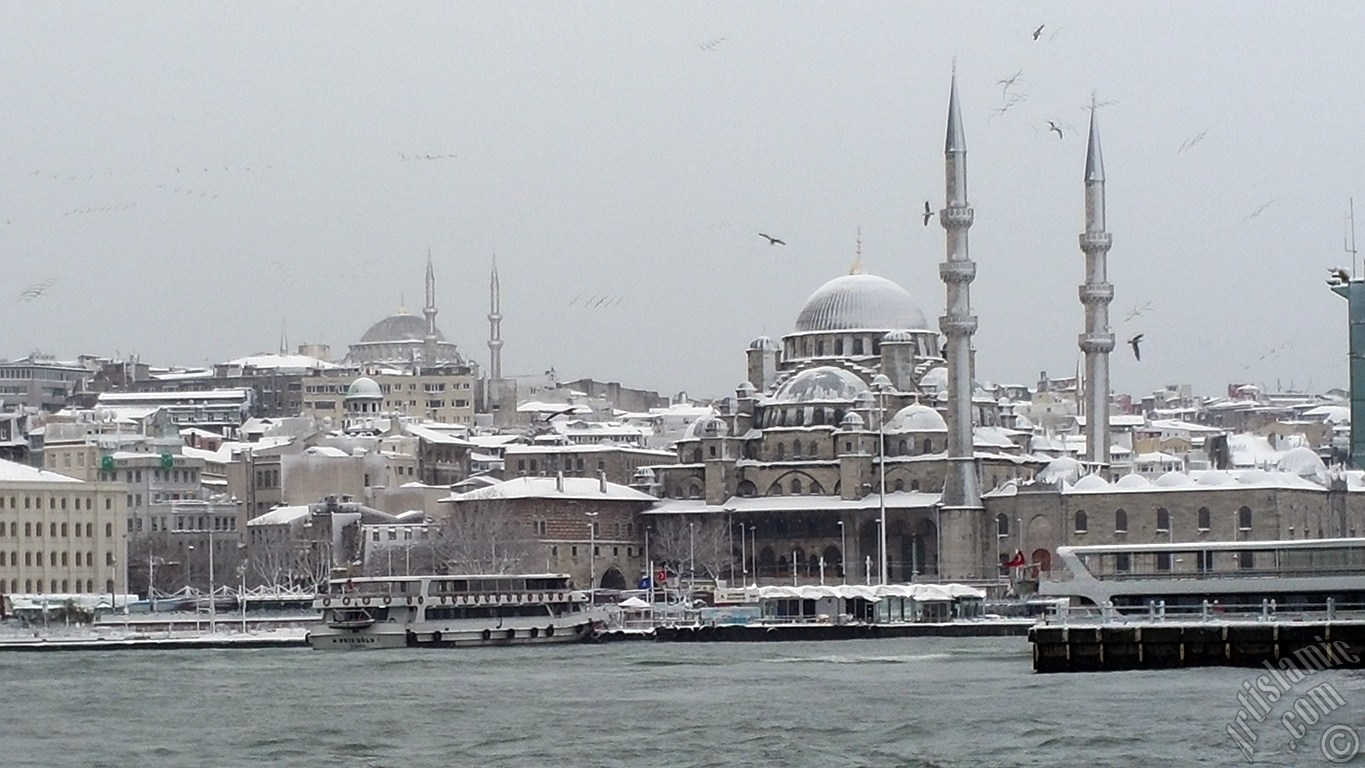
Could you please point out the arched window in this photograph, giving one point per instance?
(1244, 518)
(900, 485)
(696, 455)
(694, 492)
(1002, 525)
(858, 345)
(928, 445)
(914, 485)
(796, 449)
(900, 448)
(781, 451)
(1081, 526)
(1120, 521)
(1205, 519)
(775, 489)
(816, 490)
(1163, 520)
(796, 486)
(746, 489)
(838, 346)
(814, 450)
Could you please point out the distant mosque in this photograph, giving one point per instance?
(405, 340)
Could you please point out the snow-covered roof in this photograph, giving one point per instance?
(13, 472)
(894, 500)
(296, 362)
(280, 516)
(430, 435)
(553, 488)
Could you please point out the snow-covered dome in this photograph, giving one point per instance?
(1213, 478)
(852, 421)
(859, 301)
(902, 336)
(823, 384)
(399, 327)
(364, 387)
(1173, 479)
(935, 379)
(707, 426)
(1091, 483)
(746, 389)
(764, 343)
(917, 418)
(1064, 468)
(1254, 477)
(1302, 462)
(1133, 481)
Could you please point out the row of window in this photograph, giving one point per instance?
(86, 587)
(53, 502)
(55, 530)
(35, 559)
(1163, 520)
(553, 465)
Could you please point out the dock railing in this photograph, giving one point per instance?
(1157, 612)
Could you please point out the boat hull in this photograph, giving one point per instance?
(433, 636)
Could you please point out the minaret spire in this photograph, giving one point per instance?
(284, 338)
(1096, 293)
(429, 343)
(857, 267)
(494, 326)
(962, 488)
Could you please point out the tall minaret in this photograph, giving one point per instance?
(429, 343)
(1096, 293)
(962, 488)
(494, 326)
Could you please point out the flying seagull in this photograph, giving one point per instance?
(1137, 351)
(928, 213)
(1009, 82)
(556, 414)
(772, 240)
(1039, 31)
(1339, 275)
(1260, 210)
(1057, 129)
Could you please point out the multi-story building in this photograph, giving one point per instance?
(619, 462)
(42, 383)
(60, 535)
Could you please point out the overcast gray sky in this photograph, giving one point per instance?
(635, 150)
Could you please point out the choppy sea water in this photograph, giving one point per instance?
(904, 702)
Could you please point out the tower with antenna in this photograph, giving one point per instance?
(1353, 291)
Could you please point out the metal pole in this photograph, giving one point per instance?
(151, 581)
(213, 602)
(691, 559)
(592, 552)
(881, 484)
(843, 551)
(649, 569)
(241, 597)
(753, 549)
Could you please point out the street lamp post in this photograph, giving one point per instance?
(881, 383)
(691, 558)
(649, 569)
(592, 555)
(843, 552)
(743, 557)
(213, 602)
(753, 549)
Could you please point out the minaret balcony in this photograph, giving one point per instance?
(1096, 241)
(957, 271)
(954, 325)
(1096, 293)
(1096, 342)
(956, 217)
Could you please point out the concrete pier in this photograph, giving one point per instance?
(760, 633)
(1113, 646)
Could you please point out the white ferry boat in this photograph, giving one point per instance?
(453, 611)
(1296, 574)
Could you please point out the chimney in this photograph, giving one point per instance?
(602, 481)
(559, 482)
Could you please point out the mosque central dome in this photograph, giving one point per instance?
(859, 302)
(399, 327)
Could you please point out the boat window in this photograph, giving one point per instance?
(1163, 561)
(1123, 562)
(1246, 559)
(1205, 560)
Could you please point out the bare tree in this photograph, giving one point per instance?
(696, 542)
(484, 536)
(271, 563)
(152, 563)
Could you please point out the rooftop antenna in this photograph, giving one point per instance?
(1351, 232)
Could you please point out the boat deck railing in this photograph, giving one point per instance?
(1158, 612)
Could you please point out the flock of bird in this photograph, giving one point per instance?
(37, 289)
(596, 302)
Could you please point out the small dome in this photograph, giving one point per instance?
(935, 379)
(764, 344)
(1254, 477)
(1173, 479)
(399, 327)
(1213, 478)
(859, 302)
(1133, 481)
(746, 389)
(1091, 483)
(917, 418)
(852, 421)
(707, 426)
(899, 337)
(823, 384)
(1302, 462)
(364, 387)
(1064, 468)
